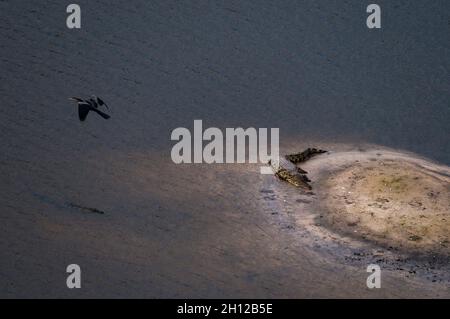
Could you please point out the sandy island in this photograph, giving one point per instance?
(392, 199)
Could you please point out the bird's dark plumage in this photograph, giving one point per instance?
(83, 110)
(104, 115)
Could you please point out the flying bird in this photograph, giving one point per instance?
(92, 104)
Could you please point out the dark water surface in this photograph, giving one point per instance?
(311, 68)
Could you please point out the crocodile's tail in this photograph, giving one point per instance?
(304, 156)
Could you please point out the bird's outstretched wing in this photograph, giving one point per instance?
(83, 110)
(104, 115)
(101, 102)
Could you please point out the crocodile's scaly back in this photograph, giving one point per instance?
(305, 155)
(296, 179)
(285, 167)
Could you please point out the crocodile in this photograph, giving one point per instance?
(287, 170)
